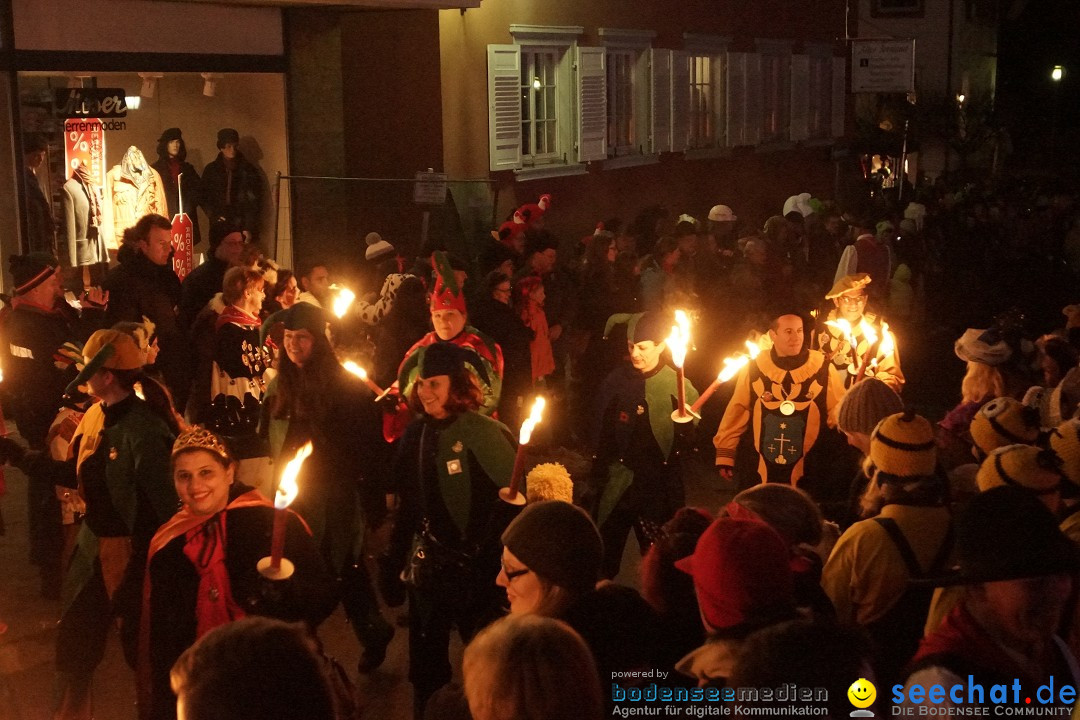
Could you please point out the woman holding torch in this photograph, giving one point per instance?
(450, 467)
(202, 566)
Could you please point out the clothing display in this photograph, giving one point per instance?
(83, 219)
(132, 189)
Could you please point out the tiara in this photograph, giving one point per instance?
(199, 438)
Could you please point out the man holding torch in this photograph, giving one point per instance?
(638, 445)
(782, 398)
(857, 343)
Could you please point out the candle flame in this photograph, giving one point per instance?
(288, 489)
(535, 416)
(679, 339)
(342, 302)
(355, 369)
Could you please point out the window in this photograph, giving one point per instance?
(702, 92)
(621, 132)
(539, 107)
(775, 90)
(819, 97)
(706, 82)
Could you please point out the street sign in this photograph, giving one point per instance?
(882, 66)
(430, 188)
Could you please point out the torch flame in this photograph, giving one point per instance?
(888, 344)
(355, 369)
(288, 488)
(679, 338)
(535, 416)
(735, 363)
(845, 327)
(868, 332)
(342, 302)
(753, 348)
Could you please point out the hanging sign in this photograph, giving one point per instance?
(84, 146)
(430, 188)
(882, 66)
(183, 240)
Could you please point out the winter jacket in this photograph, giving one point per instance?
(235, 194)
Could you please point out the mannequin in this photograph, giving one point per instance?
(83, 217)
(132, 189)
(179, 177)
(232, 186)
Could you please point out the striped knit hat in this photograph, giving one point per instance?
(1004, 421)
(1065, 442)
(903, 445)
(30, 270)
(1023, 466)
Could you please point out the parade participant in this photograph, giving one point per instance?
(314, 399)
(120, 468)
(42, 337)
(1016, 568)
(450, 466)
(315, 285)
(880, 357)
(202, 283)
(450, 320)
(201, 570)
(637, 446)
(906, 536)
(783, 397)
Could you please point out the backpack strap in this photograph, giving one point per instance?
(897, 536)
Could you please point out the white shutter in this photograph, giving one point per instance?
(839, 95)
(754, 119)
(504, 107)
(800, 98)
(660, 88)
(680, 100)
(592, 104)
(736, 98)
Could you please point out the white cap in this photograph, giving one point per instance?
(721, 213)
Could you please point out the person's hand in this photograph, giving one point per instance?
(554, 332)
(96, 296)
(727, 473)
(11, 452)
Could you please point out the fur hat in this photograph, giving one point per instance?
(1004, 421)
(549, 481)
(1006, 533)
(1024, 466)
(30, 270)
(742, 575)
(903, 445)
(559, 542)
(847, 284)
(866, 404)
(376, 246)
(226, 136)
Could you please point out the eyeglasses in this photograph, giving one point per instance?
(852, 299)
(511, 574)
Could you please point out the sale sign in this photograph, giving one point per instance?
(183, 240)
(84, 146)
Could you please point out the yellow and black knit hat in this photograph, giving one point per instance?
(1023, 466)
(1065, 443)
(903, 445)
(1004, 421)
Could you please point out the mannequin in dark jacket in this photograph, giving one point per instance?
(180, 178)
(144, 285)
(232, 187)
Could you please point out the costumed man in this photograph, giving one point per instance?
(43, 338)
(637, 445)
(880, 357)
(450, 319)
(782, 397)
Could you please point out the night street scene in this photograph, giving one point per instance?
(519, 360)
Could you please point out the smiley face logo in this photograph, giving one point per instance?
(862, 693)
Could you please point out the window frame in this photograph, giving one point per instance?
(821, 78)
(777, 54)
(713, 50)
(636, 45)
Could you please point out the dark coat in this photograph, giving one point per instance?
(138, 288)
(241, 200)
(190, 183)
(199, 288)
(309, 595)
(40, 225)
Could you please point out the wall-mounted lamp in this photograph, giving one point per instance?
(149, 84)
(960, 99)
(210, 81)
(132, 101)
(1057, 73)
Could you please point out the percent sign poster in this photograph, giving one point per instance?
(84, 146)
(183, 237)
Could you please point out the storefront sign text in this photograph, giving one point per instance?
(90, 103)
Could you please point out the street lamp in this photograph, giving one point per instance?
(1057, 73)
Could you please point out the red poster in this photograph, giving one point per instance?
(183, 238)
(84, 144)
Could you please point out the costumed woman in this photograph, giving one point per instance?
(314, 398)
(451, 464)
(201, 571)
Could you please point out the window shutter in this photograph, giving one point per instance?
(592, 104)
(754, 119)
(800, 98)
(839, 95)
(680, 100)
(736, 98)
(660, 89)
(504, 107)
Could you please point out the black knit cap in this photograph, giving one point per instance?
(559, 542)
(442, 358)
(653, 325)
(226, 136)
(29, 271)
(222, 228)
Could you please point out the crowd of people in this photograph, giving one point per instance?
(861, 540)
